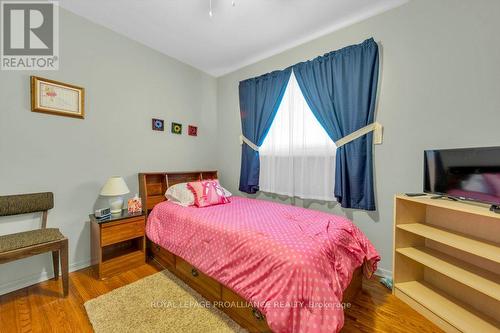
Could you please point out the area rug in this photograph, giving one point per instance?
(157, 303)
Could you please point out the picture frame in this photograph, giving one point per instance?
(57, 98)
(192, 130)
(157, 124)
(176, 128)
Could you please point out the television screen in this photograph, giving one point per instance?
(469, 173)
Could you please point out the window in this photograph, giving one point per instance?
(297, 157)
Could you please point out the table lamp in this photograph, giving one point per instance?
(115, 187)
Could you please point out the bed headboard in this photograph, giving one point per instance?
(152, 185)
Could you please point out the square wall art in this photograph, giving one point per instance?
(192, 130)
(176, 128)
(157, 124)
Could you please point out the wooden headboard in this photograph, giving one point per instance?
(152, 185)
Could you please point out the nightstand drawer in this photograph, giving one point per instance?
(193, 274)
(114, 233)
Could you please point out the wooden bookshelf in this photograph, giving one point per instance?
(447, 262)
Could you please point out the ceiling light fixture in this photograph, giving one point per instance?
(211, 12)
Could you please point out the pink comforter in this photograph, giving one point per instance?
(290, 262)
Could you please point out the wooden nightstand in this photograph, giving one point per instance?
(118, 243)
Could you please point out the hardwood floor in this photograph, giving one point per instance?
(40, 308)
(376, 310)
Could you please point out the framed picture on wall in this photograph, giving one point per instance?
(192, 130)
(57, 98)
(176, 128)
(158, 124)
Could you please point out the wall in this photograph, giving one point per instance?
(439, 88)
(126, 85)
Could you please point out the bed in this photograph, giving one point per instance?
(269, 266)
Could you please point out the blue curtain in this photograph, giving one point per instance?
(340, 88)
(259, 101)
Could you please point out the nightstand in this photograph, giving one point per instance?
(117, 243)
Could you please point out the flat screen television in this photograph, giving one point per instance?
(467, 174)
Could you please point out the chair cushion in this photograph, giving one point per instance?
(27, 238)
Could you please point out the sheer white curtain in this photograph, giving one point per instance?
(297, 157)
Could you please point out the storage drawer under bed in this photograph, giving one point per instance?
(164, 257)
(203, 281)
(241, 308)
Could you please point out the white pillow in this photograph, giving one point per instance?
(180, 194)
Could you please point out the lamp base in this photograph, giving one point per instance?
(116, 205)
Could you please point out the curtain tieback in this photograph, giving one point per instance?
(377, 129)
(249, 143)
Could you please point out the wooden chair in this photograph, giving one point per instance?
(33, 242)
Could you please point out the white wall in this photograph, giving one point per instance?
(126, 85)
(439, 88)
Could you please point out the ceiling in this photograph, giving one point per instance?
(234, 36)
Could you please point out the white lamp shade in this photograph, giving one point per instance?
(115, 186)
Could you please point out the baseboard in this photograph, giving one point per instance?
(37, 278)
(384, 273)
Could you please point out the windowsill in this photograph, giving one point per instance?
(268, 193)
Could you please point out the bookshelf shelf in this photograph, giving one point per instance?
(463, 272)
(451, 310)
(479, 248)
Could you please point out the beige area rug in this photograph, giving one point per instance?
(158, 303)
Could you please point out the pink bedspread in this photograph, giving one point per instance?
(290, 262)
